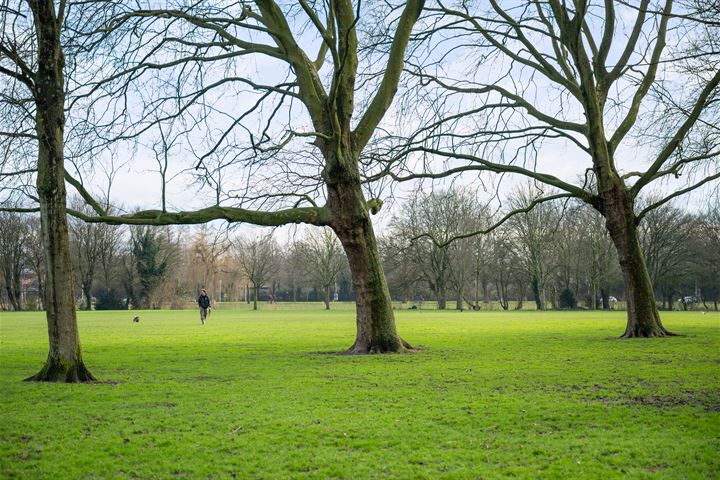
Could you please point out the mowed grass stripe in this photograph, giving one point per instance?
(263, 395)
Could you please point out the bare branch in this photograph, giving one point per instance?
(675, 194)
(311, 215)
(385, 93)
(672, 145)
(499, 223)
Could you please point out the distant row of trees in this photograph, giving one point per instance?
(558, 255)
(144, 267)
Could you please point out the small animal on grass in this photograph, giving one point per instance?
(136, 319)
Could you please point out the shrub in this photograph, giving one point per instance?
(108, 300)
(567, 299)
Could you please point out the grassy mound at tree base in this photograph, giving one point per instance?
(251, 395)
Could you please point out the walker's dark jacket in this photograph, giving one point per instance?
(204, 301)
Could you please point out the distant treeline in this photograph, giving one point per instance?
(557, 256)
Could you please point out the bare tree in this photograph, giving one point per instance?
(665, 234)
(504, 266)
(208, 250)
(434, 213)
(87, 242)
(292, 274)
(109, 263)
(586, 77)
(534, 234)
(13, 240)
(257, 259)
(323, 260)
(32, 65)
(36, 257)
(707, 251)
(466, 255)
(598, 258)
(266, 175)
(404, 278)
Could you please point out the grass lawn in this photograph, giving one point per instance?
(258, 395)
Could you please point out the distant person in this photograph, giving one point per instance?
(204, 304)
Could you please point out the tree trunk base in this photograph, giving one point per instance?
(377, 347)
(647, 332)
(55, 371)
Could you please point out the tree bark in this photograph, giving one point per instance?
(256, 293)
(88, 296)
(459, 304)
(593, 298)
(376, 331)
(643, 318)
(14, 297)
(486, 292)
(441, 300)
(605, 298)
(327, 297)
(502, 290)
(539, 303)
(64, 362)
(521, 295)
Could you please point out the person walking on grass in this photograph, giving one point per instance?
(204, 303)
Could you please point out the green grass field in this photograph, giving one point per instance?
(261, 395)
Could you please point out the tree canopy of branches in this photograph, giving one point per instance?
(317, 83)
(442, 215)
(603, 80)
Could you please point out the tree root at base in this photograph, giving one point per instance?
(55, 372)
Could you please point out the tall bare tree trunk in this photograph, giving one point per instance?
(441, 298)
(376, 331)
(593, 298)
(327, 297)
(537, 292)
(14, 297)
(605, 295)
(486, 292)
(88, 297)
(643, 318)
(521, 295)
(64, 362)
(459, 304)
